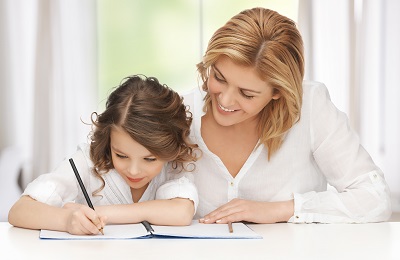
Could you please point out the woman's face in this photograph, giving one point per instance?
(237, 93)
(136, 165)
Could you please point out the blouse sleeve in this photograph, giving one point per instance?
(181, 187)
(59, 186)
(358, 192)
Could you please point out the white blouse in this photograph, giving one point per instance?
(61, 186)
(320, 149)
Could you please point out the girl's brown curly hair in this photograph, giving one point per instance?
(152, 114)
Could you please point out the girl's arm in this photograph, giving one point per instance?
(174, 212)
(175, 203)
(32, 214)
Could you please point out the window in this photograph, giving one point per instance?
(164, 39)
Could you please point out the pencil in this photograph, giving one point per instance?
(78, 177)
(230, 227)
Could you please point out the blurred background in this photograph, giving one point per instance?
(59, 59)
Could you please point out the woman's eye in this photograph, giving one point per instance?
(218, 78)
(150, 159)
(246, 96)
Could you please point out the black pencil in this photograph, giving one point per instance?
(78, 177)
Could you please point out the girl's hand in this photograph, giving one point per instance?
(82, 220)
(251, 211)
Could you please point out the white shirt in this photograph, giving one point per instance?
(61, 186)
(320, 149)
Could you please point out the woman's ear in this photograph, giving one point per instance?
(276, 95)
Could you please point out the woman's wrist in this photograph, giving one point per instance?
(285, 210)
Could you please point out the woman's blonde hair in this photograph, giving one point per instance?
(269, 42)
(152, 114)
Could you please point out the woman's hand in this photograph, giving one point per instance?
(82, 220)
(251, 211)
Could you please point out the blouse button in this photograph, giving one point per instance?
(232, 183)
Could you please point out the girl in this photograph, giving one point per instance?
(142, 133)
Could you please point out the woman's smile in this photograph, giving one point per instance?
(225, 109)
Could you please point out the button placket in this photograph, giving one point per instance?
(232, 190)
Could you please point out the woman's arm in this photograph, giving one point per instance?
(174, 212)
(32, 214)
(251, 211)
(359, 192)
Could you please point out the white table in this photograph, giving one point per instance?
(280, 241)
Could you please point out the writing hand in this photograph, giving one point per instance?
(82, 220)
(250, 211)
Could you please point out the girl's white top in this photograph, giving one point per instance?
(320, 149)
(61, 186)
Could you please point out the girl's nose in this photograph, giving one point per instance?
(134, 168)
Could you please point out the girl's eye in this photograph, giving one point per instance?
(151, 159)
(121, 156)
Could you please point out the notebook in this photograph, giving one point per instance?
(134, 231)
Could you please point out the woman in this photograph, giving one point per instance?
(271, 143)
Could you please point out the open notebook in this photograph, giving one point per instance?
(133, 231)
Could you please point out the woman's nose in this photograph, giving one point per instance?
(227, 97)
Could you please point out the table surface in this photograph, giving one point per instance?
(280, 241)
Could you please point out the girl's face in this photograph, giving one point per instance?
(237, 93)
(136, 165)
